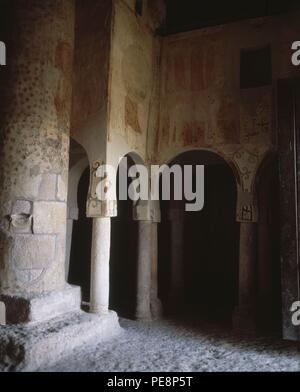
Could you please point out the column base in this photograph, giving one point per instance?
(24, 309)
(100, 310)
(143, 316)
(35, 347)
(244, 321)
(156, 309)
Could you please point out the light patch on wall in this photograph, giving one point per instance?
(296, 54)
(2, 314)
(2, 53)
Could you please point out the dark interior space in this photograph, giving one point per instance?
(123, 257)
(194, 14)
(269, 271)
(210, 244)
(80, 259)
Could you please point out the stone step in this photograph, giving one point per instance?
(28, 347)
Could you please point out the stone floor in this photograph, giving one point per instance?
(173, 346)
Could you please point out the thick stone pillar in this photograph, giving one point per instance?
(176, 217)
(34, 154)
(99, 298)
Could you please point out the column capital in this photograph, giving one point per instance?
(247, 209)
(147, 210)
(101, 208)
(102, 201)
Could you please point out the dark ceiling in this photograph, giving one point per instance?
(185, 15)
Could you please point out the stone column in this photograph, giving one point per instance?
(36, 92)
(101, 206)
(244, 317)
(99, 299)
(142, 212)
(176, 217)
(144, 266)
(155, 303)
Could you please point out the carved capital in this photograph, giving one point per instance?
(145, 210)
(101, 208)
(101, 201)
(247, 209)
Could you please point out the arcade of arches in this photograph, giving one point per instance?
(92, 82)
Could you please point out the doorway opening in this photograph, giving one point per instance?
(123, 256)
(210, 246)
(79, 227)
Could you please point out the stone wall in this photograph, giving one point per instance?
(90, 79)
(201, 103)
(134, 74)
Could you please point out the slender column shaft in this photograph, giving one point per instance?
(156, 306)
(177, 268)
(144, 266)
(245, 313)
(247, 268)
(99, 298)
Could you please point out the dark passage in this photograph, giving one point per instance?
(80, 260)
(210, 245)
(123, 258)
(211, 248)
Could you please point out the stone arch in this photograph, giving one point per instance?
(138, 160)
(226, 158)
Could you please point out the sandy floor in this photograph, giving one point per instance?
(169, 346)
